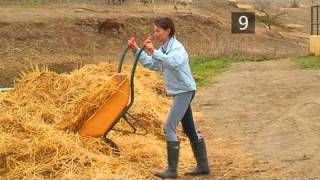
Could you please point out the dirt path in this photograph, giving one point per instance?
(272, 109)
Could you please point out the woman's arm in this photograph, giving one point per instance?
(147, 61)
(173, 60)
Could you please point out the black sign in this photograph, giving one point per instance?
(243, 22)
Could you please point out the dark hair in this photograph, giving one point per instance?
(165, 23)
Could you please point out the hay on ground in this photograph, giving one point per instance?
(39, 117)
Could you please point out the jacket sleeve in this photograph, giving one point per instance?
(148, 61)
(173, 60)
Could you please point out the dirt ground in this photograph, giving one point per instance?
(265, 115)
(272, 110)
(65, 36)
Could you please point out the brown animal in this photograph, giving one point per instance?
(109, 25)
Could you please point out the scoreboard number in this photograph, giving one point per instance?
(242, 22)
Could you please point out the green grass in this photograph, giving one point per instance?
(308, 62)
(271, 21)
(205, 69)
(25, 3)
(258, 58)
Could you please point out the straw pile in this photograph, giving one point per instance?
(38, 120)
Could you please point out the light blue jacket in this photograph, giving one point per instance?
(172, 60)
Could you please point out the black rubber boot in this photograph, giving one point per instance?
(173, 155)
(200, 153)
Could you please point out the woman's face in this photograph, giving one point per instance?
(161, 34)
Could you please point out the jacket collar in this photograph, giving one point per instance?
(168, 45)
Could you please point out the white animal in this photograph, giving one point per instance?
(187, 3)
(315, 2)
(114, 1)
(145, 2)
(150, 2)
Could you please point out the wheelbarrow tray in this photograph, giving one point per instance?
(108, 113)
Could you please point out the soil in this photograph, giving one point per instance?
(65, 36)
(264, 115)
(272, 110)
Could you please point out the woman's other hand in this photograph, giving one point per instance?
(149, 45)
(132, 44)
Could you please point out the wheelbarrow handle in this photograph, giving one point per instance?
(126, 109)
(133, 71)
(123, 56)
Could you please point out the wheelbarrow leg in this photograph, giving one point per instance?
(134, 129)
(129, 123)
(135, 132)
(112, 144)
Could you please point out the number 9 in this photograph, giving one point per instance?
(243, 20)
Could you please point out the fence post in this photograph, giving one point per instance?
(317, 7)
(311, 20)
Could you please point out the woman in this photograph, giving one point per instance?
(172, 60)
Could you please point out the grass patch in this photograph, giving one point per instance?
(258, 58)
(204, 69)
(308, 62)
(26, 3)
(271, 21)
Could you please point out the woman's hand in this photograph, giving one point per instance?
(132, 44)
(148, 45)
